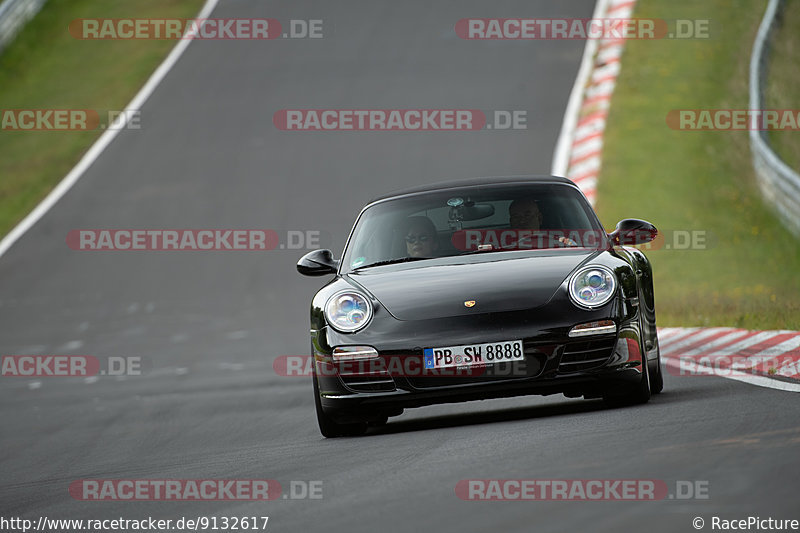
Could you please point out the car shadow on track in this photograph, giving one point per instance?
(699, 391)
(487, 417)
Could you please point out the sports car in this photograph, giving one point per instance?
(476, 289)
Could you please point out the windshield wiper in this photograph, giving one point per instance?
(392, 262)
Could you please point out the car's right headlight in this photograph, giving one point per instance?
(592, 286)
(348, 311)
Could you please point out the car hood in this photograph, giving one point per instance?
(420, 291)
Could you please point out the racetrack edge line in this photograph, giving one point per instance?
(564, 142)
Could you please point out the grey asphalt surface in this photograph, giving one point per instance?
(208, 325)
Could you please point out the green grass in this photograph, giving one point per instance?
(782, 90)
(46, 68)
(684, 180)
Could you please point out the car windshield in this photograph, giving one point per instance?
(472, 220)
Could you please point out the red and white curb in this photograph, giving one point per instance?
(580, 144)
(767, 358)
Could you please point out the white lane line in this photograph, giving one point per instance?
(105, 139)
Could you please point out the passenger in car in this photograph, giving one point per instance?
(420, 236)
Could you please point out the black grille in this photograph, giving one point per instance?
(586, 354)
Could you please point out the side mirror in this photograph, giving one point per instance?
(633, 231)
(317, 263)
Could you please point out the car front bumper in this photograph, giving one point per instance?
(554, 363)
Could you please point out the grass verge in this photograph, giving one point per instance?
(698, 181)
(46, 68)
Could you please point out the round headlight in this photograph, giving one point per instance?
(348, 311)
(592, 286)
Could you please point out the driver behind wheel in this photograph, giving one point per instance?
(524, 213)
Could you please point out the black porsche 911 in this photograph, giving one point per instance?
(477, 289)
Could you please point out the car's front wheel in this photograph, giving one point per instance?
(328, 426)
(657, 377)
(637, 394)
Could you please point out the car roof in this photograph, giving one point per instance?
(471, 182)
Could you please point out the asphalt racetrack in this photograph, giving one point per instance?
(208, 325)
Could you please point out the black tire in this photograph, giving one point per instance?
(657, 377)
(638, 394)
(641, 392)
(328, 426)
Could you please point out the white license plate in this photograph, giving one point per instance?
(473, 354)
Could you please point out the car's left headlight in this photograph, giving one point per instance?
(592, 286)
(348, 311)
